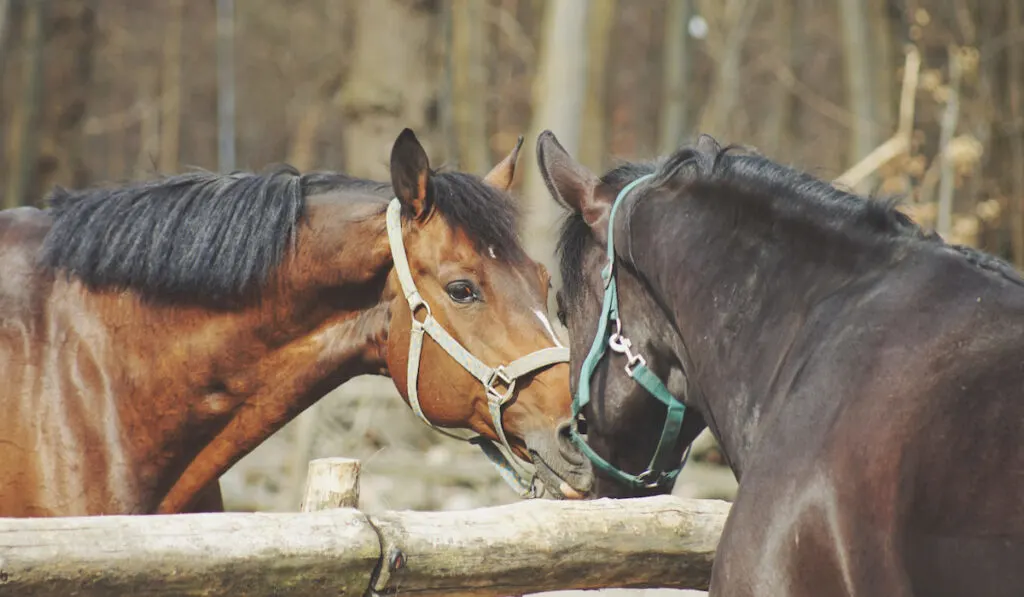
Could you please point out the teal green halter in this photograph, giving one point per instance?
(659, 472)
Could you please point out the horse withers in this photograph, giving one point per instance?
(864, 379)
(152, 334)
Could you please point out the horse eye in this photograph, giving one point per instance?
(461, 291)
(561, 308)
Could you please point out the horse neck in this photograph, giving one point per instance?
(738, 301)
(248, 372)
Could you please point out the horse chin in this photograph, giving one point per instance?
(564, 478)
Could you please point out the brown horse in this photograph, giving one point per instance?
(863, 377)
(153, 334)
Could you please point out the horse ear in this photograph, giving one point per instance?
(410, 174)
(707, 144)
(501, 175)
(572, 184)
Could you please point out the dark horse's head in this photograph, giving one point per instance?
(720, 259)
(623, 414)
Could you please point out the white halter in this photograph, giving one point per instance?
(488, 376)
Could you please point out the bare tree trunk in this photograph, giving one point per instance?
(884, 64)
(5, 9)
(776, 130)
(676, 76)
(469, 78)
(302, 146)
(149, 126)
(314, 101)
(720, 108)
(601, 23)
(170, 92)
(226, 85)
(1013, 83)
(857, 42)
(944, 215)
(24, 136)
(558, 105)
(446, 99)
(317, 98)
(392, 82)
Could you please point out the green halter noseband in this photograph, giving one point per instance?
(658, 473)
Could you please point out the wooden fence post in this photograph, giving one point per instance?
(331, 483)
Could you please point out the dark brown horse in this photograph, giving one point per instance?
(153, 334)
(864, 379)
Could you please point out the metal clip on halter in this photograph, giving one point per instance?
(623, 345)
(645, 479)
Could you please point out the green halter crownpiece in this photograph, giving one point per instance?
(659, 471)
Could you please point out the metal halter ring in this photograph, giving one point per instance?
(645, 479)
(416, 302)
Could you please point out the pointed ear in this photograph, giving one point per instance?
(707, 144)
(573, 185)
(501, 175)
(410, 175)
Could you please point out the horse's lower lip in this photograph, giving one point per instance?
(567, 491)
(555, 481)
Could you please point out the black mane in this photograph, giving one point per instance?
(216, 239)
(786, 190)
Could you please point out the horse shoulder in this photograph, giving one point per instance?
(795, 530)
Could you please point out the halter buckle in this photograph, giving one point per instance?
(623, 345)
(498, 375)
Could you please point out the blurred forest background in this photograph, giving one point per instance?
(920, 98)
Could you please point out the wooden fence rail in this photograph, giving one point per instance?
(526, 547)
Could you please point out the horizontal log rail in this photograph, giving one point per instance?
(526, 547)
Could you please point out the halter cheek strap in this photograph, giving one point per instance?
(659, 472)
(492, 378)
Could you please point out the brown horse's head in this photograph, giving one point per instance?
(473, 287)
